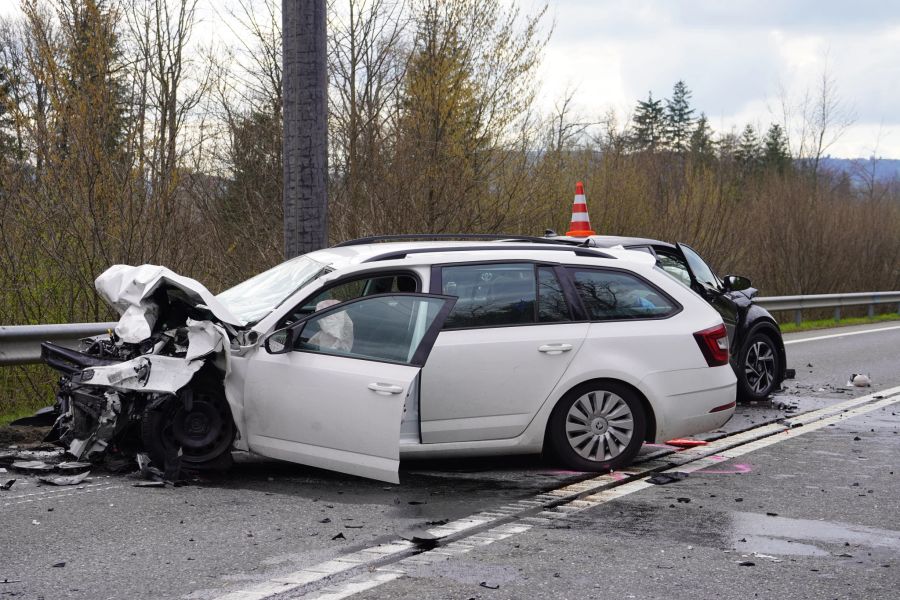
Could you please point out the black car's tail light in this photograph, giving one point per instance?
(713, 344)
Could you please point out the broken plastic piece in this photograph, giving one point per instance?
(31, 465)
(65, 479)
(665, 478)
(7, 484)
(686, 443)
(860, 380)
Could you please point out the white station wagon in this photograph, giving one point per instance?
(353, 357)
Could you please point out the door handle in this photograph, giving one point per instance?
(385, 389)
(554, 348)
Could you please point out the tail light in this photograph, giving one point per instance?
(713, 344)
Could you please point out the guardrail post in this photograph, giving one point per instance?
(837, 313)
(798, 317)
(871, 310)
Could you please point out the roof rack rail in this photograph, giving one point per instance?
(577, 250)
(455, 236)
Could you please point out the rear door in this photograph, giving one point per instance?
(505, 345)
(329, 390)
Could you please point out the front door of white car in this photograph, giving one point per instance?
(329, 390)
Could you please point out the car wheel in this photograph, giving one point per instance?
(597, 426)
(757, 368)
(200, 428)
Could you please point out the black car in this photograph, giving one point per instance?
(757, 350)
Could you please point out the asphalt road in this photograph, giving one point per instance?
(268, 519)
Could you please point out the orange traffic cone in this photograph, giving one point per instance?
(581, 222)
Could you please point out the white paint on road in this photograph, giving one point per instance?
(839, 335)
(556, 504)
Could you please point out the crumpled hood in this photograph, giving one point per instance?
(129, 289)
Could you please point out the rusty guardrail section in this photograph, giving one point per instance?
(21, 344)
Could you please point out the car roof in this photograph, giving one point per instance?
(609, 241)
(435, 251)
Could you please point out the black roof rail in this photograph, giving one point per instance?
(455, 236)
(577, 250)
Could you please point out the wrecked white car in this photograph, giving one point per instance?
(320, 360)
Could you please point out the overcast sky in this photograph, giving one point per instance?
(735, 55)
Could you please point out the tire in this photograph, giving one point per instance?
(757, 368)
(589, 427)
(203, 434)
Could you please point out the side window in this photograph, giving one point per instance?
(674, 265)
(552, 305)
(613, 295)
(350, 290)
(387, 328)
(702, 273)
(490, 295)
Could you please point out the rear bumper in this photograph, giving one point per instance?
(690, 401)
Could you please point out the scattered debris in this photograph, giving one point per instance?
(35, 522)
(7, 484)
(684, 500)
(44, 417)
(59, 565)
(860, 380)
(746, 563)
(339, 536)
(686, 443)
(666, 478)
(31, 465)
(149, 484)
(73, 466)
(490, 586)
(65, 479)
(422, 539)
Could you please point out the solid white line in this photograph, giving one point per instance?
(837, 335)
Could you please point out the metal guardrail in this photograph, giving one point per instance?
(799, 303)
(21, 344)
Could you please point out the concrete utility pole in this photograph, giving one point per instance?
(305, 117)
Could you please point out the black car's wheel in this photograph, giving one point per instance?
(597, 426)
(757, 368)
(201, 427)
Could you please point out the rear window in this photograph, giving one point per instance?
(614, 295)
(490, 295)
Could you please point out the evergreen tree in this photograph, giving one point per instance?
(776, 154)
(649, 124)
(679, 119)
(748, 152)
(702, 145)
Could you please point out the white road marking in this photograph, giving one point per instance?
(60, 492)
(837, 335)
(556, 504)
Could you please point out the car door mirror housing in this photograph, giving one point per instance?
(280, 342)
(736, 283)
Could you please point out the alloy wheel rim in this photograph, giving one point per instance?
(599, 425)
(759, 367)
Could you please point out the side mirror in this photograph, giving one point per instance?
(736, 283)
(280, 342)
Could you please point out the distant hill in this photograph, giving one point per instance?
(884, 169)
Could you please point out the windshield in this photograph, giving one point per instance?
(258, 296)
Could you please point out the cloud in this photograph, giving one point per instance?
(736, 57)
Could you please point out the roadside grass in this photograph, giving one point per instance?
(829, 323)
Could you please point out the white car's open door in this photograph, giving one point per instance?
(329, 391)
